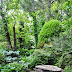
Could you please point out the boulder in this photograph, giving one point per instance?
(47, 68)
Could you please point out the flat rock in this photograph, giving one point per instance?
(48, 67)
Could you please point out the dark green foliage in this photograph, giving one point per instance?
(2, 58)
(49, 29)
(35, 32)
(64, 60)
(29, 44)
(26, 52)
(62, 49)
(41, 22)
(38, 57)
(21, 40)
(63, 43)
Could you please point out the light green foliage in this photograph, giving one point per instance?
(12, 4)
(2, 37)
(49, 29)
(54, 7)
(70, 20)
(24, 64)
(67, 9)
(67, 24)
(68, 69)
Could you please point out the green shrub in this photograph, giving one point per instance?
(12, 67)
(49, 29)
(7, 68)
(11, 56)
(16, 65)
(38, 57)
(67, 24)
(26, 52)
(68, 69)
(62, 49)
(64, 60)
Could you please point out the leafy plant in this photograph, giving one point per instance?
(62, 49)
(68, 69)
(16, 65)
(67, 24)
(11, 56)
(49, 29)
(2, 58)
(7, 68)
(38, 57)
(26, 52)
(12, 67)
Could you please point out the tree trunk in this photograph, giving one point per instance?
(48, 13)
(8, 36)
(35, 29)
(14, 36)
(5, 27)
(61, 11)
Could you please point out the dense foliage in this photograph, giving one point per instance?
(35, 32)
(49, 29)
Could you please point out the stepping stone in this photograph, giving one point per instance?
(47, 68)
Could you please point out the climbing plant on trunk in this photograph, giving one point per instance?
(35, 29)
